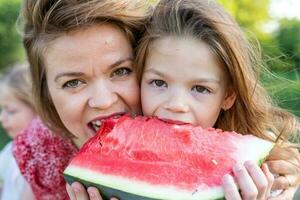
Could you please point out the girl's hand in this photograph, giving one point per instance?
(77, 192)
(288, 173)
(253, 182)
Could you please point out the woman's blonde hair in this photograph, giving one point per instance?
(45, 20)
(253, 111)
(17, 80)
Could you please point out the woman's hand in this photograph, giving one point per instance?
(252, 182)
(77, 192)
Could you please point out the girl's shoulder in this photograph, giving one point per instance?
(42, 156)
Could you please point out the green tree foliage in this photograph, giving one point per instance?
(250, 14)
(10, 42)
(288, 38)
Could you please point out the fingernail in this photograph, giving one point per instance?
(226, 178)
(76, 188)
(92, 195)
(249, 163)
(237, 167)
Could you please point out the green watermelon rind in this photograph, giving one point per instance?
(112, 186)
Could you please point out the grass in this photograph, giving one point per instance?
(285, 90)
(3, 138)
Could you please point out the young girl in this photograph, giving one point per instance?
(196, 67)
(16, 114)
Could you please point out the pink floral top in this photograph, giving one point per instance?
(42, 157)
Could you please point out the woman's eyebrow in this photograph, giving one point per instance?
(68, 74)
(76, 74)
(120, 62)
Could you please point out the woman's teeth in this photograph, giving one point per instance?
(96, 125)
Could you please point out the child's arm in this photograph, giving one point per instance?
(254, 183)
(78, 192)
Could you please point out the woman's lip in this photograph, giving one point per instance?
(108, 116)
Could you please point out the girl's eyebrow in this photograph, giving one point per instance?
(150, 70)
(76, 74)
(207, 80)
(199, 80)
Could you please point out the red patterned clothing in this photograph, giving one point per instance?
(42, 157)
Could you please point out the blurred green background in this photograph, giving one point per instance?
(279, 37)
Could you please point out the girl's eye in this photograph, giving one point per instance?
(121, 72)
(72, 83)
(200, 89)
(158, 83)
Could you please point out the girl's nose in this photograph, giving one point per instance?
(102, 96)
(177, 103)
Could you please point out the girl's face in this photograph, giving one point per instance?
(183, 81)
(90, 78)
(15, 114)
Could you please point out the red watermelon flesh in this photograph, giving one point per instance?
(150, 158)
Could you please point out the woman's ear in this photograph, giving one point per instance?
(229, 99)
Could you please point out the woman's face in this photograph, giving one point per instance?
(15, 114)
(90, 78)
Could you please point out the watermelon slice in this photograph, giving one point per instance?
(146, 158)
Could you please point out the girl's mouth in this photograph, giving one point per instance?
(177, 122)
(96, 124)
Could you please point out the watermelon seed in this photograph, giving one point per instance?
(215, 162)
(195, 192)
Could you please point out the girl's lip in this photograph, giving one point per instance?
(171, 121)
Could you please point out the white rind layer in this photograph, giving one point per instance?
(143, 189)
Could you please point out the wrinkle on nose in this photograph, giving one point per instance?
(102, 96)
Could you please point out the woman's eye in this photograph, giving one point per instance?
(159, 83)
(200, 89)
(122, 72)
(72, 83)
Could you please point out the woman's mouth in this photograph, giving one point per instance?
(96, 124)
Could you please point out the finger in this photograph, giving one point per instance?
(80, 191)
(230, 188)
(259, 179)
(94, 193)
(283, 182)
(282, 167)
(245, 182)
(270, 178)
(287, 194)
(70, 192)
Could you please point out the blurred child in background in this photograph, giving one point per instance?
(17, 111)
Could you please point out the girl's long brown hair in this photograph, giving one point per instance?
(253, 112)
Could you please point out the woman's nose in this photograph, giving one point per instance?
(102, 96)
